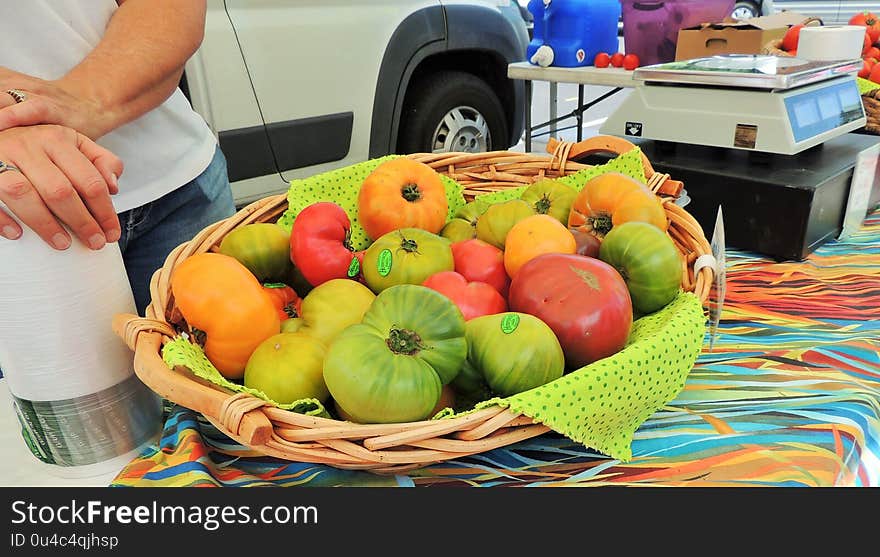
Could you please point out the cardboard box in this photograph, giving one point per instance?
(734, 37)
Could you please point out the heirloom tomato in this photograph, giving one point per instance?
(406, 256)
(534, 236)
(288, 367)
(513, 352)
(464, 225)
(648, 261)
(472, 298)
(220, 296)
(261, 247)
(550, 197)
(392, 366)
(611, 199)
(496, 222)
(331, 307)
(286, 301)
(402, 193)
(319, 244)
(584, 300)
(587, 244)
(478, 261)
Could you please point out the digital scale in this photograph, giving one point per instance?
(766, 138)
(768, 104)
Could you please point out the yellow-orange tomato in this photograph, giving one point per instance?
(402, 193)
(612, 199)
(534, 236)
(218, 295)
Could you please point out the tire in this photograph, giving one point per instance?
(746, 9)
(425, 128)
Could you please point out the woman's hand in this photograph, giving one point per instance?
(63, 178)
(49, 103)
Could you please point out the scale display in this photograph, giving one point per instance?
(819, 111)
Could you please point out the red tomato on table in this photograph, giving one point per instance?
(617, 60)
(602, 60)
(474, 299)
(584, 300)
(631, 62)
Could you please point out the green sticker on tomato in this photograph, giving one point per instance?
(383, 263)
(354, 268)
(509, 323)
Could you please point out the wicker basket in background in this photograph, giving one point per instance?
(871, 100)
(774, 47)
(381, 448)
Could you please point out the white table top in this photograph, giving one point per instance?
(586, 75)
(19, 468)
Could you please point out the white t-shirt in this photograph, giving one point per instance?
(162, 150)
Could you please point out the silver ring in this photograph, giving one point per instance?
(6, 167)
(19, 96)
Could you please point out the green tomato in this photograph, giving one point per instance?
(458, 230)
(288, 367)
(550, 197)
(263, 248)
(514, 352)
(470, 387)
(406, 256)
(331, 307)
(391, 368)
(464, 225)
(496, 222)
(648, 261)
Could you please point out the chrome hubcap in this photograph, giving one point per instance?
(743, 12)
(462, 129)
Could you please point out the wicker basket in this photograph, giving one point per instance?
(381, 448)
(871, 100)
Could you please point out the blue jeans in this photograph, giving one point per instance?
(151, 231)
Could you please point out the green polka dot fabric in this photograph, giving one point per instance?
(629, 163)
(181, 352)
(601, 405)
(866, 86)
(341, 186)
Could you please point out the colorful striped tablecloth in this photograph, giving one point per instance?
(789, 396)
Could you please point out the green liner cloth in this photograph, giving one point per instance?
(866, 86)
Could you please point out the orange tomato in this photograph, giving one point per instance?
(402, 193)
(612, 199)
(218, 295)
(534, 236)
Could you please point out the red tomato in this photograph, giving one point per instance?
(587, 244)
(584, 300)
(474, 299)
(872, 52)
(867, 66)
(875, 74)
(630, 62)
(319, 244)
(480, 261)
(617, 60)
(870, 21)
(286, 301)
(602, 60)
(868, 43)
(791, 38)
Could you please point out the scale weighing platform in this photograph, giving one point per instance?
(768, 104)
(764, 137)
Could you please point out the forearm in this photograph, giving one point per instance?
(139, 61)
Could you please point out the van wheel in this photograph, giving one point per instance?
(746, 9)
(452, 111)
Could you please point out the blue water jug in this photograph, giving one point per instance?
(570, 33)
